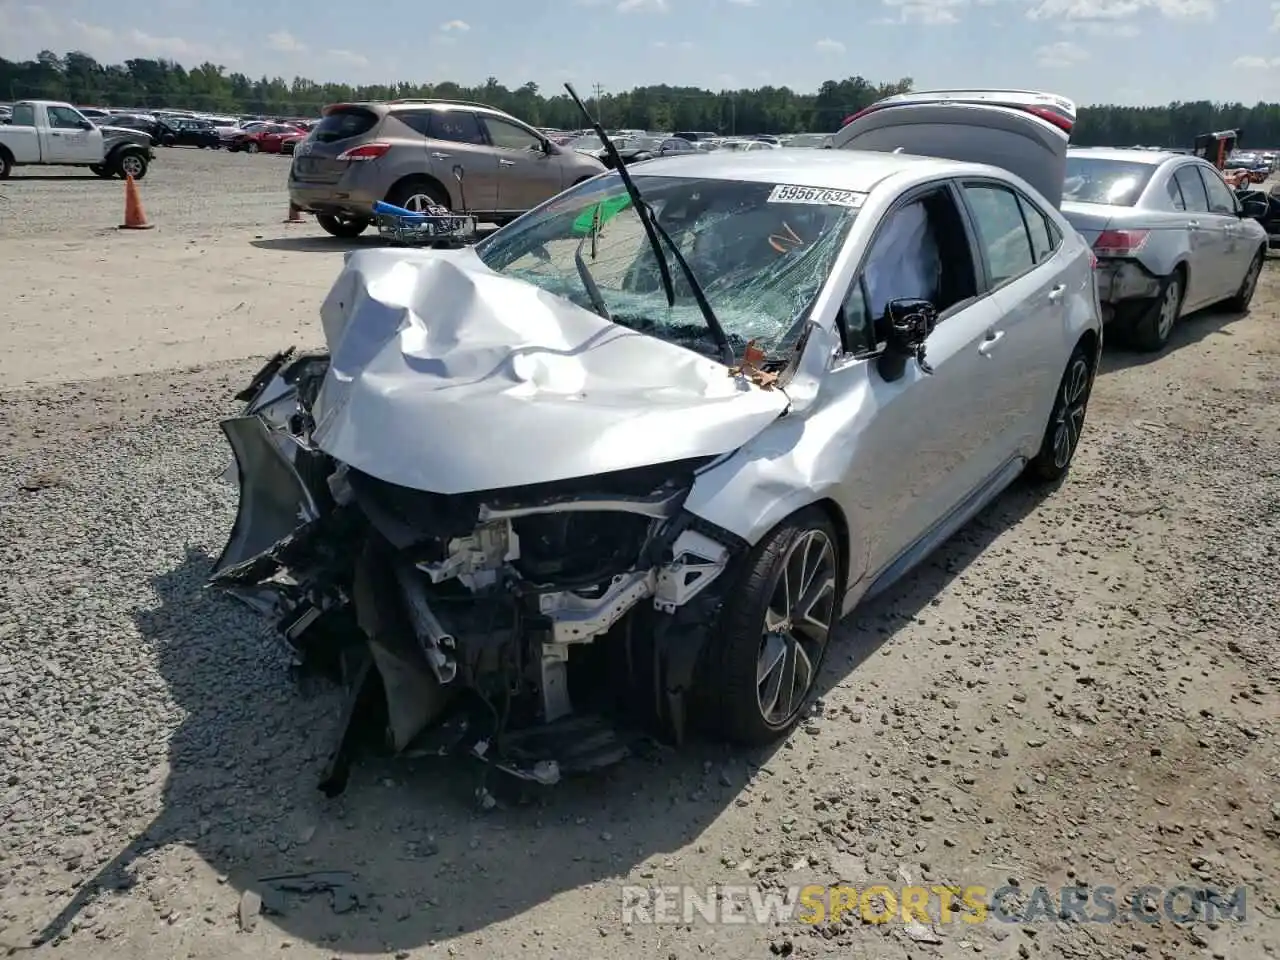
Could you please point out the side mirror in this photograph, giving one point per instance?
(1254, 208)
(86, 125)
(906, 326)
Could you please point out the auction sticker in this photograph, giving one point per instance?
(787, 193)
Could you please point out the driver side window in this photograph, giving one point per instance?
(510, 137)
(64, 118)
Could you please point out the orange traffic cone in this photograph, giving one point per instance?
(135, 218)
(295, 214)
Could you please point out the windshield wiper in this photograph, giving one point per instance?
(652, 230)
(588, 281)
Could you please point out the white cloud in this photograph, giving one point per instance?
(285, 42)
(348, 56)
(827, 45)
(455, 26)
(1064, 53)
(1093, 28)
(668, 45)
(745, 3)
(1109, 11)
(642, 6)
(929, 13)
(1256, 63)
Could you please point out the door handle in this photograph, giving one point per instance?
(506, 163)
(987, 345)
(440, 156)
(1193, 224)
(1055, 295)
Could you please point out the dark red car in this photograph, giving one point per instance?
(266, 138)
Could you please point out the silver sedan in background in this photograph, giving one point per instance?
(1170, 237)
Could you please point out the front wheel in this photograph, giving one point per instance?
(252, 147)
(345, 228)
(774, 631)
(1066, 421)
(130, 164)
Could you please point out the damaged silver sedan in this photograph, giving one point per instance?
(631, 457)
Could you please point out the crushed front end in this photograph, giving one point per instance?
(531, 627)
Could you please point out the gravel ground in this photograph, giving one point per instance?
(1079, 688)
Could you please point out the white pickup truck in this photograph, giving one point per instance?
(49, 133)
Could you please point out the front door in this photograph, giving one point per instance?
(527, 174)
(69, 141)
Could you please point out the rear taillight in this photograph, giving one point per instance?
(1093, 261)
(367, 151)
(1119, 243)
(1053, 116)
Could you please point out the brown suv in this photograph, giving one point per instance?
(405, 152)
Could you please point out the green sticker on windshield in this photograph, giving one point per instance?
(608, 210)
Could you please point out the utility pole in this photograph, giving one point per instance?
(599, 90)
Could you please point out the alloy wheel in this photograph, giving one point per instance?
(1169, 308)
(131, 166)
(1071, 409)
(419, 203)
(797, 624)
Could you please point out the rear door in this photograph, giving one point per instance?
(527, 174)
(1208, 241)
(1018, 245)
(1023, 132)
(457, 140)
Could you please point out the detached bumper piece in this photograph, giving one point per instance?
(544, 631)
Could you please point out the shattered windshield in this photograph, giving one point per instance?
(760, 251)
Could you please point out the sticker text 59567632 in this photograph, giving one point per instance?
(789, 193)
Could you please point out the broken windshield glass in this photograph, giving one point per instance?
(761, 251)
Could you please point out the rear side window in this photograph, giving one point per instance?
(1175, 194)
(345, 123)
(1044, 235)
(1098, 180)
(456, 126)
(1002, 233)
(1193, 193)
(24, 115)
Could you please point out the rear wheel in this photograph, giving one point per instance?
(345, 228)
(252, 146)
(1066, 421)
(417, 195)
(6, 165)
(1150, 330)
(1240, 302)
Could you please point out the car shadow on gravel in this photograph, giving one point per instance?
(417, 858)
(1188, 330)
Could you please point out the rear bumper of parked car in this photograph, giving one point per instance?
(1122, 280)
(332, 198)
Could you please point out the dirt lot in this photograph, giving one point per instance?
(1080, 688)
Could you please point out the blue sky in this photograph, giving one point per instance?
(1131, 51)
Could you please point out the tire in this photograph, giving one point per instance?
(1066, 421)
(129, 163)
(1240, 302)
(752, 712)
(1150, 330)
(409, 192)
(345, 228)
(6, 165)
(252, 146)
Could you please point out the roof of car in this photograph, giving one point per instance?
(1150, 157)
(857, 170)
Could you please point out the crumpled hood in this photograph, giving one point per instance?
(448, 377)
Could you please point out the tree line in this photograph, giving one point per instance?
(79, 78)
